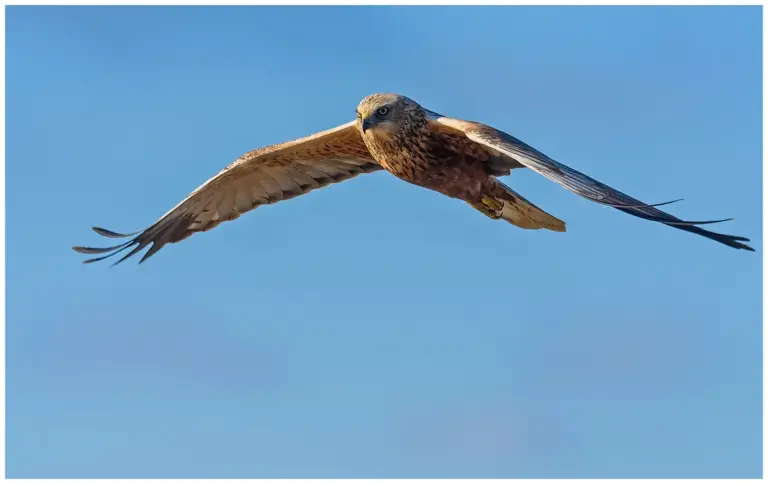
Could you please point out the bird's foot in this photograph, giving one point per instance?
(489, 206)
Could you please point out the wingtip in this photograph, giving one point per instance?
(111, 233)
(734, 241)
(744, 246)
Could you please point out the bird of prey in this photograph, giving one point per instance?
(458, 158)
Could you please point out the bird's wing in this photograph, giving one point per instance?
(579, 183)
(262, 176)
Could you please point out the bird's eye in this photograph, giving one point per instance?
(383, 111)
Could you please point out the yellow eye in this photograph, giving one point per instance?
(382, 111)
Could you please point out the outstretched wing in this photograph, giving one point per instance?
(262, 176)
(579, 183)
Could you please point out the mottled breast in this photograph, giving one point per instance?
(448, 163)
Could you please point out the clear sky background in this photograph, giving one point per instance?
(372, 328)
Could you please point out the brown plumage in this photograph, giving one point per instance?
(460, 159)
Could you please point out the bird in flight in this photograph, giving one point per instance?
(458, 158)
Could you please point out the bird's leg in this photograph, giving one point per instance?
(489, 206)
(493, 203)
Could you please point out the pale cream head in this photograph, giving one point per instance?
(384, 113)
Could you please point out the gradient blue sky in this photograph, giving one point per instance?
(374, 329)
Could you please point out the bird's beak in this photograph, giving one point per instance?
(366, 125)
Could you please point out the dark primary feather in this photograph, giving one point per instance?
(169, 230)
(109, 233)
(582, 184)
(649, 204)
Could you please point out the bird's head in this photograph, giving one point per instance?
(385, 114)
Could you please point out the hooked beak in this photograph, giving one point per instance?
(366, 125)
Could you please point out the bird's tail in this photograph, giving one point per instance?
(506, 204)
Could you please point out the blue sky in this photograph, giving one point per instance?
(372, 328)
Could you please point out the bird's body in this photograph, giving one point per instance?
(442, 162)
(417, 151)
(457, 158)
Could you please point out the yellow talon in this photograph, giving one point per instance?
(489, 207)
(493, 203)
